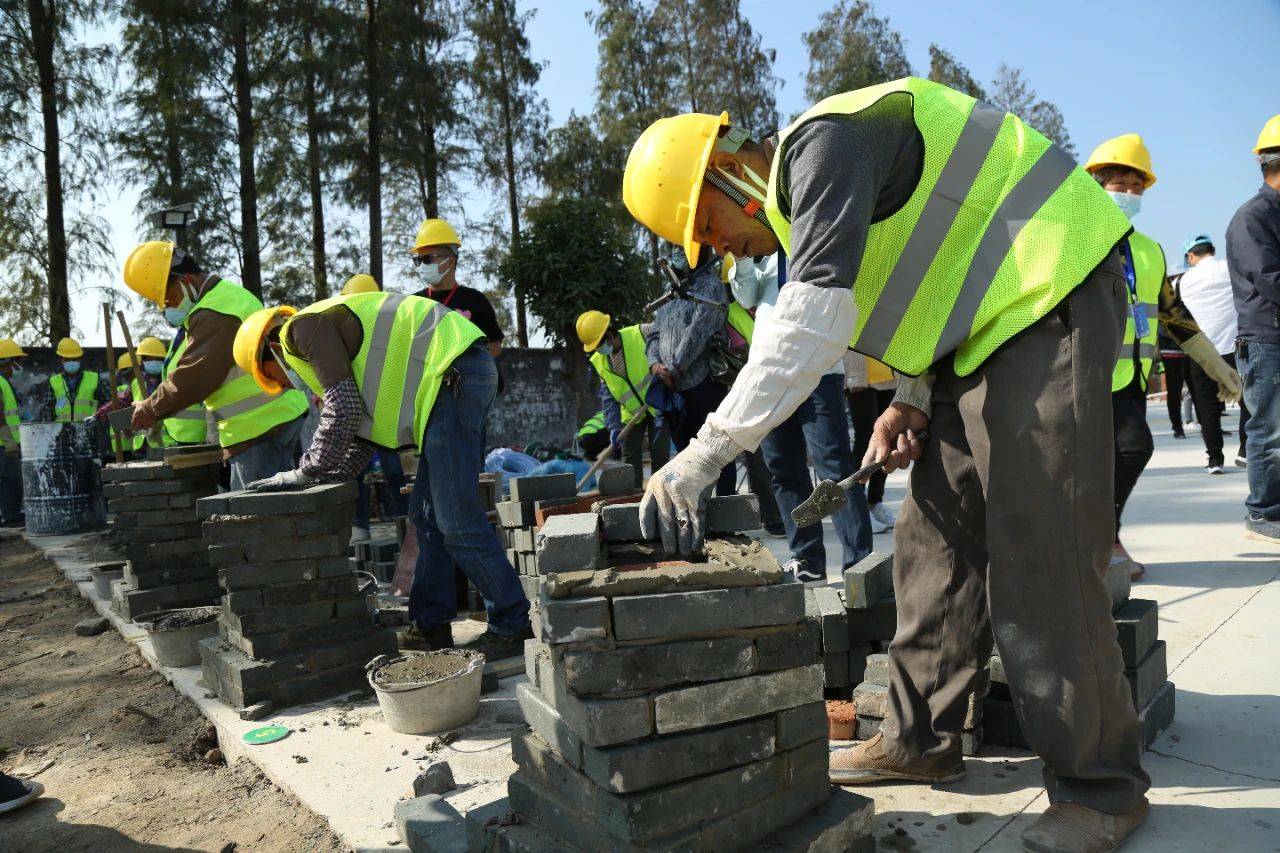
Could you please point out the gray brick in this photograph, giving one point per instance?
(142, 488)
(241, 530)
(664, 760)
(732, 513)
(1137, 625)
(878, 622)
(1146, 679)
(871, 700)
(547, 724)
(859, 653)
(543, 487)
(788, 648)
(598, 722)
(166, 517)
(833, 619)
(429, 824)
(271, 619)
(484, 822)
(841, 825)
(293, 639)
(604, 671)
(573, 620)
(869, 581)
(321, 522)
(1157, 715)
(1000, 724)
(877, 670)
(318, 590)
(835, 669)
(776, 813)
(616, 480)
(515, 513)
(522, 539)
(179, 548)
(437, 778)
(712, 704)
(1117, 580)
(867, 727)
(384, 550)
(298, 548)
(971, 741)
(130, 471)
(568, 543)
(253, 577)
(167, 533)
(621, 522)
(800, 725)
(684, 613)
(243, 601)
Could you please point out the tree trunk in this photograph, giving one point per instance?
(375, 142)
(251, 262)
(319, 267)
(433, 173)
(509, 158)
(43, 28)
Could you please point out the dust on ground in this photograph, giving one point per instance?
(124, 754)
(422, 667)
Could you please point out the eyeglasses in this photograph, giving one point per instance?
(430, 258)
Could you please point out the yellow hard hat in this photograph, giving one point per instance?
(1270, 135)
(1127, 150)
(146, 270)
(247, 348)
(360, 283)
(69, 348)
(9, 349)
(152, 348)
(591, 327)
(663, 178)
(124, 362)
(435, 232)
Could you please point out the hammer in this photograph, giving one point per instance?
(829, 496)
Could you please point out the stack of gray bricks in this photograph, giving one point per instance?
(294, 626)
(516, 526)
(671, 705)
(155, 526)
(376, 556)
(854, 622)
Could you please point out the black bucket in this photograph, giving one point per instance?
(61, 483)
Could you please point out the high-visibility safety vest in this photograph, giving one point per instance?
(1001, 226)
(243, 410)
(408, 344)
(595, 423)
(66, 409)
(189, 426)
(1148, 273)
(741, 321)
(9, 427)
(628, 390)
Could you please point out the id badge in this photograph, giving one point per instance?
(1141, 324)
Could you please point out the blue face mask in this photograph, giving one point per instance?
(71, 366)
(153, 367)
(1129, 203)
(605, 348)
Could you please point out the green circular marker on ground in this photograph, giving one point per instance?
(266, 734)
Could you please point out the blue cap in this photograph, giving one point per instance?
(1195, 240)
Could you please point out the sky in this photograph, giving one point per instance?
(1188, 76)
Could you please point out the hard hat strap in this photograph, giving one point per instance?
(750, 206)
(1269, 156)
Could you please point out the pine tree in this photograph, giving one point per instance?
(852, 48)
(947, 70)
(1011, 93)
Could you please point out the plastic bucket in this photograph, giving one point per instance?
(178, 646)
(103, 574)
(62, 488)
(427, 707)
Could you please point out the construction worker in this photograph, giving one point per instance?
(258, 432)
(76, 393)
(1122, 167)
(399, 371)
(593, 436)
(435, 255)
(11, 465)
(130, 388)
(618, 356)
(360, 283)
(1253, 259)
(1003, 316)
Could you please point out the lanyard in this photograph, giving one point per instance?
(445, 301)
(1131, 279)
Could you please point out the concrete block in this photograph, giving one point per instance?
(142, 488)
(1157, 715)
(664, 760)
(483, 822)
(522, 539)
(598, 722)
(776, 813)
(257, 711)
(1137, 626)
(1146, 679)
(1117, 580)
(573, 620)
(271, 619)
(834, 620)
(259, 646)
(835, 669)
(179, 548)
(241, 530)
(322, 589)
(297, 548)
(877, 622)
(569, 543)
(92, 627)
(548, 725)
(636, 668)
(515, 513)
(383, 550)
(319, 523)
(1000, 724)
(437, 778)
(871, 700)
(236, 577)
(869, 581)
(543, 487)
(867, 727)
(685, 613)
(877, 670)
(672, 576)
(732, 513)
(971, 741)
(800, 725)
(839, 826)
(621, 522)
(858, 655)
(788, 648)
(616, 480)
(722, 702)
(430, 825)
(563, 828)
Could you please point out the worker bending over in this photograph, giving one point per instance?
(398, 371)
(76, 393)
(1007, 312)
(258, 432)
(10, 438)
(132, 388)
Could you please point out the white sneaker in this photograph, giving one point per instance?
(359, 534)
(881, 513)
(1213, 469)
(803, 574)
(1241, 462)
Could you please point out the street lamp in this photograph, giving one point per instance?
(175, 219)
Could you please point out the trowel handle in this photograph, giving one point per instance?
(875, 467)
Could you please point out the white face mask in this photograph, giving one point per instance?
(1130, 204)
(605, 348)
(433, 274)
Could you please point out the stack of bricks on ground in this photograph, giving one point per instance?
(156, 528)
(672, 705)
(294, 625)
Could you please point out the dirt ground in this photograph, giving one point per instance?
(125, 753)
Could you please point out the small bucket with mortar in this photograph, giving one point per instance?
(103, 574)
(176, 633)
(427, 692)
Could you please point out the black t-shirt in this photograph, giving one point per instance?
(473, 305)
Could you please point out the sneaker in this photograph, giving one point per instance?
(359, 534)
(1073, 828)
(881, 513)
(804, 574)
(867, 762)
(16, 793)
(499, 646)
(415, 639)
(776, 530)
(1213, 469)
(1241, 462)
(1262, 529)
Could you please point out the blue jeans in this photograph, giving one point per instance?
(818, 431)
(11, 487)
(389, 461)
(278, 452)
(1260, 369)
(446, 511)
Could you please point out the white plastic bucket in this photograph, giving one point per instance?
(178, 646)
(427, 707)
(103, 574)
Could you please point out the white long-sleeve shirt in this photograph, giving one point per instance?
(755, 285)
(1206, 291)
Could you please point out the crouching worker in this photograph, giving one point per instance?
(397, 371)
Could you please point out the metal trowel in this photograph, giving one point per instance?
(829, 496)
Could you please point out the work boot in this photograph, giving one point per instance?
(499, 646)
(867, 762)
(1073, 828)
(1262, 529)
(415, 639)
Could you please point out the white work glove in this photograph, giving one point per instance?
(1202, 350)
(676, 499)
(283, 482)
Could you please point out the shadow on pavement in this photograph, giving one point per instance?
(37, 828)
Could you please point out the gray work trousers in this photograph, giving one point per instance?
(1007, 530)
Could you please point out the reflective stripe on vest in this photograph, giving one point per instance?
(189, 426)
(741, 321)
(1000, 227)
(1149, 273)
(12, 415)
(66, 409)
(243, 410)
(595, 423)
(408, 343)
(628, 390)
